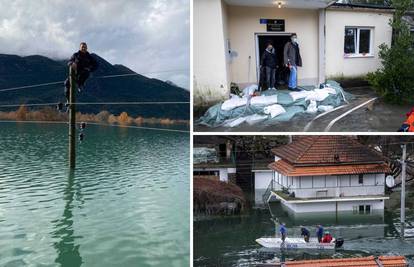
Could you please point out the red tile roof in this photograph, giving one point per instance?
(287, 169)
(388, 261)
(327, 150)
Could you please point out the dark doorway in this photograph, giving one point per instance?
(278, 41)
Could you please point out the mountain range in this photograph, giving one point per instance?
(18, 71)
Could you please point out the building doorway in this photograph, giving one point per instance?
(278, 40)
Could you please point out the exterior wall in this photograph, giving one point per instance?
(209, 43)
(336, 20)
(332, 206)
(244, 24)
(262, 179)
(333, 186)
(261, 182)
(223, 172)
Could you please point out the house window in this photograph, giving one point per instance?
(361, 179)
(357, 41)
(361, 209)
(367, 209)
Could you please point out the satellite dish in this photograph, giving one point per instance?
(389, 181)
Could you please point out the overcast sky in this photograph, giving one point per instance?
(144, 35)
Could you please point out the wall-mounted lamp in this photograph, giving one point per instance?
(279, 4)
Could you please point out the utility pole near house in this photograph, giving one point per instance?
(403, 174)
(72, 118)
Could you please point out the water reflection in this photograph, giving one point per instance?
(67, 250)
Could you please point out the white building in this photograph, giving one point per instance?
(336, 40)
(326, 174)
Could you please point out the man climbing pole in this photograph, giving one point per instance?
(84, 64)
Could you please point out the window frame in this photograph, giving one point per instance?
(357, 54)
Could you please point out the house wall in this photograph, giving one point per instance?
(334, 186)
(262, 180)
(336, 21)
(244, 24)
(332, 206)
(223, 172)
(209, 44)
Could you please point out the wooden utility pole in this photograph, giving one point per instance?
(403, 174)
(72, 118)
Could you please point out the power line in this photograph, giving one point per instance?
(100, 77)
(100, 103)
(103, 124)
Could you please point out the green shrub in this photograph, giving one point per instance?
(395, 80)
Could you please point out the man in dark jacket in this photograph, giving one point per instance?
(84, 64)
(269, 63)
(292, 60)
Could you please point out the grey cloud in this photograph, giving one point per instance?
(147, 36)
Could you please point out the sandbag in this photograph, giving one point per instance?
(263, 100)
(274, 110)
(234, 102)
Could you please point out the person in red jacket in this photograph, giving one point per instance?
(327, 238)
(408, 124)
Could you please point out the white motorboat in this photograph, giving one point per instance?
(298, 243)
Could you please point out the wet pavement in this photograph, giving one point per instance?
(375, 116)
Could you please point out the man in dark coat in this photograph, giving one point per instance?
(84, 64)
(269, 63)
(292, 60)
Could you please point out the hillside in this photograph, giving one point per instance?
(20, 71)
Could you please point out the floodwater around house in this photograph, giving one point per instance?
(125, 205)
(376, 116)
(231, 241)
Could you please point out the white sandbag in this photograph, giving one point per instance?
(312, 108)
(263, 100)
(274, 110)
(234, 102)
(255, 118)
(298, 95)
(235, 122)
(330, 90)
(249, 90)
(320, 94)
(323, 108)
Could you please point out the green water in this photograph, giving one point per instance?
(231, 241)
(127, 203)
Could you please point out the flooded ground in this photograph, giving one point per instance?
(231, 241)
(119, 208)
(374, 117)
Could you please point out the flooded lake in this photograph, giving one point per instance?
(127, 203)
(231, 241)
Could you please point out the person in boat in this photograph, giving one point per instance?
(319, 233)
(84, 63)
(283, 231)
(306, 234)
(327, 238)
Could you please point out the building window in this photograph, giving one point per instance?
(361, 179)
(361, 209)
(368, 209)
(357, 41)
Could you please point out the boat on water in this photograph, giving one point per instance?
(298, 243)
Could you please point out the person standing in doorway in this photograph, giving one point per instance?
(292, 60)
(269, 63)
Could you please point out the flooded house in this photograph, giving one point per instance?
(213, 158)
(336, 39)
(326, 174)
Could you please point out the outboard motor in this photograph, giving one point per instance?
(339, 242)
